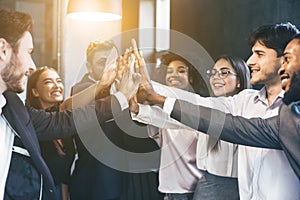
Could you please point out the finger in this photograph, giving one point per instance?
(136, 67)
(131, 64)
(134, 45)
(137, 53)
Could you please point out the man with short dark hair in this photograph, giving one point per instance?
(280, 132)
(257, 176)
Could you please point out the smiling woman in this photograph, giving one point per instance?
(45, 91)
(176, 71)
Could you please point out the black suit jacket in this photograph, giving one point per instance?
(94, 180)
(33, 125)
(279, 132)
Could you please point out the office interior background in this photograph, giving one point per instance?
(219, 26)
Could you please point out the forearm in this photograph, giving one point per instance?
(252, 132)
(83, 97)
(55, 125)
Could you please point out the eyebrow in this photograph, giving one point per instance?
(50, 79)
(180, 66)
(222, 68)
(259, 51)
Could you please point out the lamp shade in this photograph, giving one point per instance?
(95, 10)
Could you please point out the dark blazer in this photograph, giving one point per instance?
(279, 132)
(32, 124)
(93, 179)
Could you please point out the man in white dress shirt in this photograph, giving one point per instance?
(262, 173)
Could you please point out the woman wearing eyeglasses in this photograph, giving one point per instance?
(229, 76)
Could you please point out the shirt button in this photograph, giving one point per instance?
(50, 191)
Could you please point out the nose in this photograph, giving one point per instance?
(31, 67)
(173, 73)
(281, 70)
(250, 61)
(57, 84)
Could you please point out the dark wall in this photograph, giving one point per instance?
(223, 26)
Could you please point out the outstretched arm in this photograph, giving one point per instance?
(255, 132)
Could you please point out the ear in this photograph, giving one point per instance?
(238, 85)
(3, 49)
(89, 67)
(35, 92)
(191, 80)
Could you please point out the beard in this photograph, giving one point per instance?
(293, 94)
(11, 75)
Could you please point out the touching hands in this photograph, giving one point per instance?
(128, 80)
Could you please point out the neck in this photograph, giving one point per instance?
(272, 91)
(3, 86)
(46, 106)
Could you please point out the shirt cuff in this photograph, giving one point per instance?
(169, 105)
(144, 114)
(113, 89)
(122, 100)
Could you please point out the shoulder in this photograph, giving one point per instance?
(295, 107)
(248, 92)
(13, 102)
(81, 85)
(292, 109)
(246, 95)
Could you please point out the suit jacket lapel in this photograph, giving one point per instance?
(17, 116)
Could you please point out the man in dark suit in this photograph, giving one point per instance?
(23, 172)
(92, 179)
(279, 132)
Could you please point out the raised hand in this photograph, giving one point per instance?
(146, 92)
(142, 69)
(108, 77)
(130, 81)
(123, 66)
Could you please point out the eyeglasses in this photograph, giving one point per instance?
(223, 73)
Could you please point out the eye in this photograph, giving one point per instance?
(286, 59)
(259, 53)
(225, 72)
(47, 82)
(101, 62)
(169, 71)
(182, 71)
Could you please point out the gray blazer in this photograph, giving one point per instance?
(279, 132)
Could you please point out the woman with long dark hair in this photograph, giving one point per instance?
(45, 90)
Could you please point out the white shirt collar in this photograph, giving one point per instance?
(2, 102)
(91, 78)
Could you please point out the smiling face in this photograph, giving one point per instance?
(20, 65)
(290, 63)
(177, 75)
(226, 86)
(49, 89)
(264, 65)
